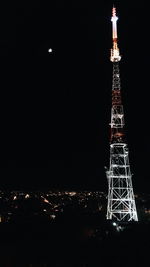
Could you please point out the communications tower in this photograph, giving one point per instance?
(121, 203)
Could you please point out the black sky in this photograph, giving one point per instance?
(55, 108)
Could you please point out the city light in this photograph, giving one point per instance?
(55, 203)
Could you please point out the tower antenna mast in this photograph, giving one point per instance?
(121, 203)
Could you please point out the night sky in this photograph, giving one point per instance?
(55, 108)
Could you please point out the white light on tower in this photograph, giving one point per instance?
(50, 50)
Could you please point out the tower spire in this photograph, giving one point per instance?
(121, 203)
(115, 55)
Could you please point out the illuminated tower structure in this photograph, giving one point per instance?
(121, 203)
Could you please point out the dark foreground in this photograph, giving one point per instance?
(73, 240)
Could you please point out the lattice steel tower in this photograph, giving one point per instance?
(121, 202)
